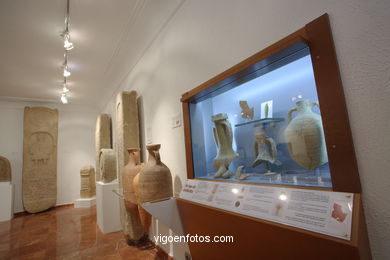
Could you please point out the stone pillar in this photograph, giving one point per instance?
(127, 135)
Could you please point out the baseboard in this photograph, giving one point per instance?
(24, 213)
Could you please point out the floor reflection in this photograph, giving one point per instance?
(66, 233)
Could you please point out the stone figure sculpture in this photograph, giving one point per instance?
(305, 137)
(127, 135)
(223, 138)
(39, 158)
(246, 111)
(102, 139)
(5, 170)
(265, 151)
(107, 165)
(87, 187)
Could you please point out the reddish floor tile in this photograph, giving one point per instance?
(66, 233)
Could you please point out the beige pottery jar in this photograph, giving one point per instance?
(155, 179)
(304, 136)
(131, 169)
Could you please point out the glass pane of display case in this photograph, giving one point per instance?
(263, 126)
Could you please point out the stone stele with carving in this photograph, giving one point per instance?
(39, 179)
(102, 139)
(87, 187)
(127, 135)
(5, 170)
(107, 165)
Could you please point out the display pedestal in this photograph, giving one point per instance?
(85, 202)
(6, 201)
(167, 212)
(107, 207)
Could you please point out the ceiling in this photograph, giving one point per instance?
(109, 38)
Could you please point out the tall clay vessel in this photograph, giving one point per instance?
(155, 179)
(304, 136)
(131, 184)
(131, 169)
(223, 138)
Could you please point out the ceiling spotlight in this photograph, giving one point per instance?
(64, 99)
(65, 89)
(66, 72)
(67, 44)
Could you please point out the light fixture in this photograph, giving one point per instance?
(64, 99)
(64, 87)
(65, 90)
(66, 72)
(65, 65)
(67, 44)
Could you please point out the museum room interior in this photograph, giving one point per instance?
(193, 129)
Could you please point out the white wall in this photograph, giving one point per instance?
(76, 146)
(206, 37)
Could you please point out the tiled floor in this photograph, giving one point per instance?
(66, 233)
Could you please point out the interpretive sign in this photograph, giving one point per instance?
(319, 211)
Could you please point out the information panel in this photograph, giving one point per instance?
(324, 212)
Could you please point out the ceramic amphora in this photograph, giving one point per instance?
(155, 180)
(304, 136)
(130, 199)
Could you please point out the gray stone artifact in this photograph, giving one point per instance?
(127, 135)
(5, 170)
(102, 139)
(305, 137)
(223, 138)
(246, 111)
(107, 165)
(239, 175)
(39, 158)
(87, 187)
(265, 151)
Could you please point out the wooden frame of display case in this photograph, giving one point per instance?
(317, 35)
(299, 244)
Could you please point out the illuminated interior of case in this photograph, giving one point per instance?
(280, 84)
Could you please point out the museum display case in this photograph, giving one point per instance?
(274, 129)
(264, 126)
(278, 117)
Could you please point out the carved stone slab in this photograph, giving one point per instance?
(40, 158)
(102, 138)
(5, 170)
(107, 161)
(127, 135)
(87, 187)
